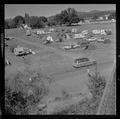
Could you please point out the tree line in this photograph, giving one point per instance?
(66, 17)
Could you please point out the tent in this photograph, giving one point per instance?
(40, 32)
(51, 29)
(79, 36)
(67, 36)
(74, 30)
(102, 32)
(49, 38)
(28, 33)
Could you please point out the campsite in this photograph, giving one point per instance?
(59, 65)
(56, 62)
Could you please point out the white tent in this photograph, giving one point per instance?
(96, 31)
(51, 29)
(28, 32)
(74, 30)
(79, 36)
(102, 32)
(49, 38)
(67, 36)
(40, 32)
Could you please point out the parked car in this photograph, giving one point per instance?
(67, 47)
(71, 46)
(82, 62)
(103, 40)
(92, 39)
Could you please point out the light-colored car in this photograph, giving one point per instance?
(100, 40)
(67, 47)
(92, 39)
(82, 62)
(103, 40)
(71, 46)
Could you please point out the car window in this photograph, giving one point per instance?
(81, 60)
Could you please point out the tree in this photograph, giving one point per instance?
(58, 19)
(112, 16)
(42, 21)
(11, 23)
(19, 20)
(6, 25)
(33, 21)
(27, 19)
(37, 22)
(69, 16)
(95, 17)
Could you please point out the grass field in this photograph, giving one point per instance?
(57, 63)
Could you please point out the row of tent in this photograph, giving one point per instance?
(61, 34)
(102, 31)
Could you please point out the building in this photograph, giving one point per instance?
(106, 16)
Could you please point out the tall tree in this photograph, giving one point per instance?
(27, 19)
(69, 16)
(11, 23)
(6, 25)
(19, 20)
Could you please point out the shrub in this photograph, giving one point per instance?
(22, 94)
(87, 106)
(96, 84)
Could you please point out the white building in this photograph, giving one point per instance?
(106, 16)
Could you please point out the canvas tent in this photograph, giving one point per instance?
(49, 38)
(79, 36)
(51, 29)
(74, 30)
(40, 32)
(102, 32)
(28, 33)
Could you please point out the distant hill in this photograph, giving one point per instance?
(95, 12)
(91, 13)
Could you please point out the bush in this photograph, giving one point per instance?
(22, 94)
(96, 84)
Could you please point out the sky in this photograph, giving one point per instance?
(12, 10)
